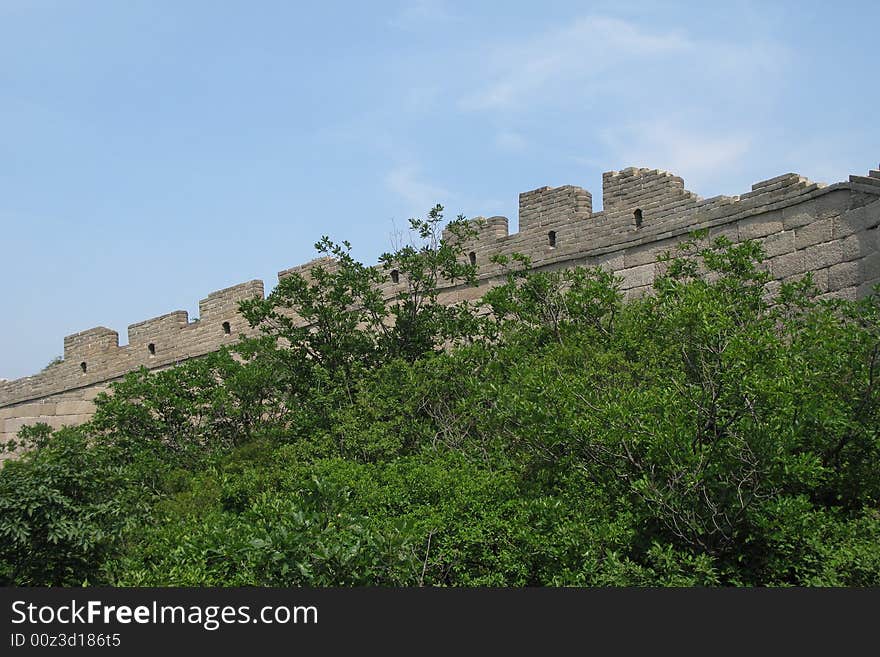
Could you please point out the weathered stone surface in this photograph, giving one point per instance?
(8, 412)
(12, 426)
(36, 409)
(779, 243)
(75, 420)
(75, 408)
(93, 392)
(612, 262)
(54, 421)
(812, 233)
(750, 229)
(849, 293)
(866, 288)
(637, 276)
(869, 267)
(796, 217)
(858, 245)
(820, 256)
(730, 231)
(787, 265)
(844, 274)
(855, 221)
(640, 255)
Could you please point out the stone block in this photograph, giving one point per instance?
(73, 420)
(54, 421)
(844, 274)
(34, 410)
(771, 289)
(660, 269)
(823, 255)
(787, 265)
(796, 216)
(8, 412)
(869, 267)
(853, 221)
(640, 255)
(779, 243)
(637, 292)
(90, 393)
(820, 279)
(640, 276)
(866, 288)
(816, 232)
(610, 261)
(730, 231)
(761, 226)
(74, 408)
(848, 293)
(858, 245)
(819, 207)
(13, 425)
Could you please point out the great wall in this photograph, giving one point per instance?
(829, 230)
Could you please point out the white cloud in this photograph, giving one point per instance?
(701, 157)
(610, 93)
(827, 158)
(618, 68)
(420, 98)
(419, 13)
(417, 195)
(566, 56)
(511, 142)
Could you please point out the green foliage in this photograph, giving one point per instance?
(417, 324)
(62, 509)
(181, 415)
(721, 431)
(553, 306)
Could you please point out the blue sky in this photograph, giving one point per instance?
(152, 152)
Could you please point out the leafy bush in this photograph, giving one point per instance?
(721, 431)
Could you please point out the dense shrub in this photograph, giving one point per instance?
(721, 431)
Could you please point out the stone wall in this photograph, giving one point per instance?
(829, 230)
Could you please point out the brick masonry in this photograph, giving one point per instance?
(829, 230)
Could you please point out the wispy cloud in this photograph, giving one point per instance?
(605, 92)
(418, 13)
(703, 155)
(566, 56)
(417, 195)
(510, 142)
(601, 58)
(827, 158)
(419, 98)
(624, 93)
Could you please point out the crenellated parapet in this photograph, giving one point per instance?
(325, 262)
(829, 230)
(95, 356)
(548, 207)
(650, 190)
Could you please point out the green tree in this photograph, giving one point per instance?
(721, 431)
(63, 507)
